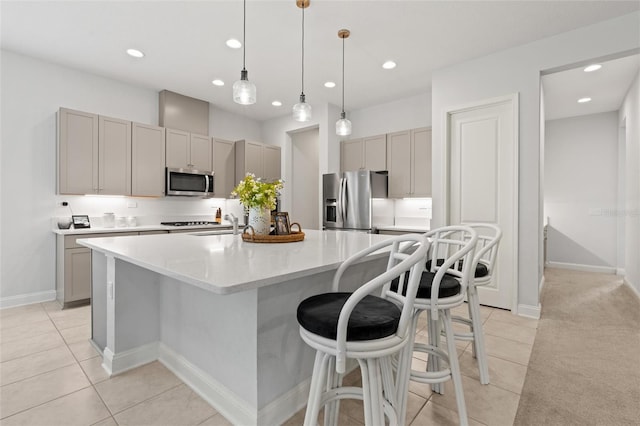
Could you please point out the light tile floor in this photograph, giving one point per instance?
(51, 375)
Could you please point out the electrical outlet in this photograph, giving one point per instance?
(64, 204)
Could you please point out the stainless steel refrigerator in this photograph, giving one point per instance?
(348, 198)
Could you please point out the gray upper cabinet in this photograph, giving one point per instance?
(375, 152)
(77, 152)
(351, 155)
(224, 167)
(271, 159)
(94, 154)
(399, 159)
(114, 156)
(186, 150)
(409, 161)
(147, 160)
(421, 165)
(257, 158)
(369, 153)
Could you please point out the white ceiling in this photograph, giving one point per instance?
(606, 87)
(184, 42)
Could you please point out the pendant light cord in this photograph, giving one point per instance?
(244, 33)
(343, 75)
(302, 90)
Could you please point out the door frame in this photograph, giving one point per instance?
(445, 157)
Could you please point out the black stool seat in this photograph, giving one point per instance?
(481, 269)
(449, 286)
(372, 318)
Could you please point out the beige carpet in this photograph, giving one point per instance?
(585, 363)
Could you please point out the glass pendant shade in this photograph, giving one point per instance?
(244, 91)
(302, 110)
(343, 126)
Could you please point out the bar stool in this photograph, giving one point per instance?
(442, 287)
(367, 328)
(484, 261)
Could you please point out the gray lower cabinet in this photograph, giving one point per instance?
(73, 268)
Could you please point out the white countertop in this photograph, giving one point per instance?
(102, 230)
(225, 264)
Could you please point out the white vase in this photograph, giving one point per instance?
(260, 220)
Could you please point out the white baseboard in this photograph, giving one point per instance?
(27, 299)
(621, 271)
(584, 268)
(529, 311)
(280, 410)
(127, 360)
(232, 407)
(635, 290)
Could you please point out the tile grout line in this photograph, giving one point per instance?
(92, 385)
(60, 396)
(150, 398)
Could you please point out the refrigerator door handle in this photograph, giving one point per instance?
(342, 199)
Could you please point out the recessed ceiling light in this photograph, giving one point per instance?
(584, 100)
(594, 67)
(218, 82)
(276, 103)
(135, 53)
(330, 84)
(389, 65)
(234, 44)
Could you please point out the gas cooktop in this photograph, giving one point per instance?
(189, 223)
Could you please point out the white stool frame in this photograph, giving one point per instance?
(456, 245)
(380, 388)
(486, 253)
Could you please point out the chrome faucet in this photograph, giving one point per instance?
(231, 217)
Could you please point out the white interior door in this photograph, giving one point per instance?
(483, 182)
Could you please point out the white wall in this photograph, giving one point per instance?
(630, 116)
(32, 92)
(278, 131)
(233, 127)
(580, 196)
(402, 114)
(517, 70)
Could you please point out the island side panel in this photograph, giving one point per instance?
(137, 307)
(285, 362)
(99, 299)
(215, 333)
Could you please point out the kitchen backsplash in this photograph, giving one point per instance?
(402, 212)
(147, 211)
(152, 211)
(413, 212)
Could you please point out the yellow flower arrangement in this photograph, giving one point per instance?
(254, 192)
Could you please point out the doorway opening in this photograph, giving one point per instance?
(583, 164)
(305, 178)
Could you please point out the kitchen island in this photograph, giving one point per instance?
(219, 312)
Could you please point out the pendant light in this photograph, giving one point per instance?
(343, 126)
(244, 92)
(302, 110)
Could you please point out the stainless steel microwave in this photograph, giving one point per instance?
(189, 182)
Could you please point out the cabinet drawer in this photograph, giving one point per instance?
(70, 240)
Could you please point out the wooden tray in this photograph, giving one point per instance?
(293, 237)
